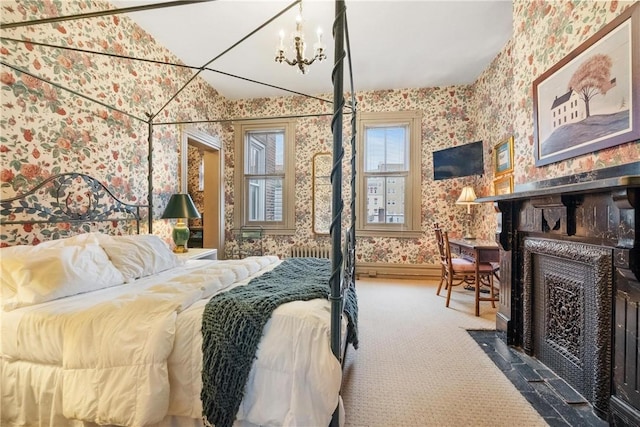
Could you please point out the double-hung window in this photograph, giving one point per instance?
(264, 175)
(389, 163)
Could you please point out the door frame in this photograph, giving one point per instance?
(213, 230)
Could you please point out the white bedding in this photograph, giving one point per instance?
(131, 354)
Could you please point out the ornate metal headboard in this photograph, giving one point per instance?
(68, 198)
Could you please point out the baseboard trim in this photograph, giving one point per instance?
(398, 271)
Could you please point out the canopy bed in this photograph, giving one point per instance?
(101, 329)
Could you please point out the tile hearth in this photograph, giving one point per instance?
(549, 394)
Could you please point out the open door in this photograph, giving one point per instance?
(206, 164)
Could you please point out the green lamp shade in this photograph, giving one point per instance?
(181, 206)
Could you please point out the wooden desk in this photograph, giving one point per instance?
(477, 251)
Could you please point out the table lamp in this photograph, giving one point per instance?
(467, 197)
(180, 206)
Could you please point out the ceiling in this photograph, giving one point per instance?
(395, 44)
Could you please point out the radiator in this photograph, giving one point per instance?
(310, 251)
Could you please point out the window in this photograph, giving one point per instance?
(389, 161)
(264, 175)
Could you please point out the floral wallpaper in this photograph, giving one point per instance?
(493, 106)
(46, 130)
(446, 121)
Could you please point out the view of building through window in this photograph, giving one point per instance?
(386, 169)
(264, 173)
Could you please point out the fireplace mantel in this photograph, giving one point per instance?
(601, 210)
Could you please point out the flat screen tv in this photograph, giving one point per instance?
(462, 160)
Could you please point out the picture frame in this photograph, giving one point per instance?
(503, 185)
(590, 100)
(503, 157)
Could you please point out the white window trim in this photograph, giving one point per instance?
(411, 228)
(240, 219)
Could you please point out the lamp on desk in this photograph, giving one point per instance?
(467, 197)
(180, 206)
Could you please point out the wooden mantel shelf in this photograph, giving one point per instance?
(609, 184)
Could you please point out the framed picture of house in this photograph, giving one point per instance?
(590, 99)
(503, 157)
(503, 185)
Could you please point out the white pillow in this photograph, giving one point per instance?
(49, 273)
(7, 285)
(139, 255)
(25, 250)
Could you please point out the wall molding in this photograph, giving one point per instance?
(197, 138)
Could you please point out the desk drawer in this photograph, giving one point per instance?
(462, 252)
(482, 250)
(466, 253)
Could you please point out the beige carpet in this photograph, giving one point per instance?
(417, 365)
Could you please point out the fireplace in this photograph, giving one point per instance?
(567, 313)
(570, 282)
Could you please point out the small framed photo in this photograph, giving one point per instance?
(503, 185)
(503, 157)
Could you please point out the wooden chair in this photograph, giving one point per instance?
(444, 262)
(460, 271)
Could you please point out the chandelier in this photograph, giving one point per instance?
(299, 47)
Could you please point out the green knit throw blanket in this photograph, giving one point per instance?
(233, 322)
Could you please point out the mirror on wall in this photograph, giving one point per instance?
(321, 184)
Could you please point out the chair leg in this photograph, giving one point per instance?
(449, 286)
(442, 279)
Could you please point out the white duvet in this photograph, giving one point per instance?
(131, 354)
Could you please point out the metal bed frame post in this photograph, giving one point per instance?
(150, 173)
(336, 181)
(336, 177)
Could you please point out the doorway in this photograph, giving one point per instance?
(201, 177)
